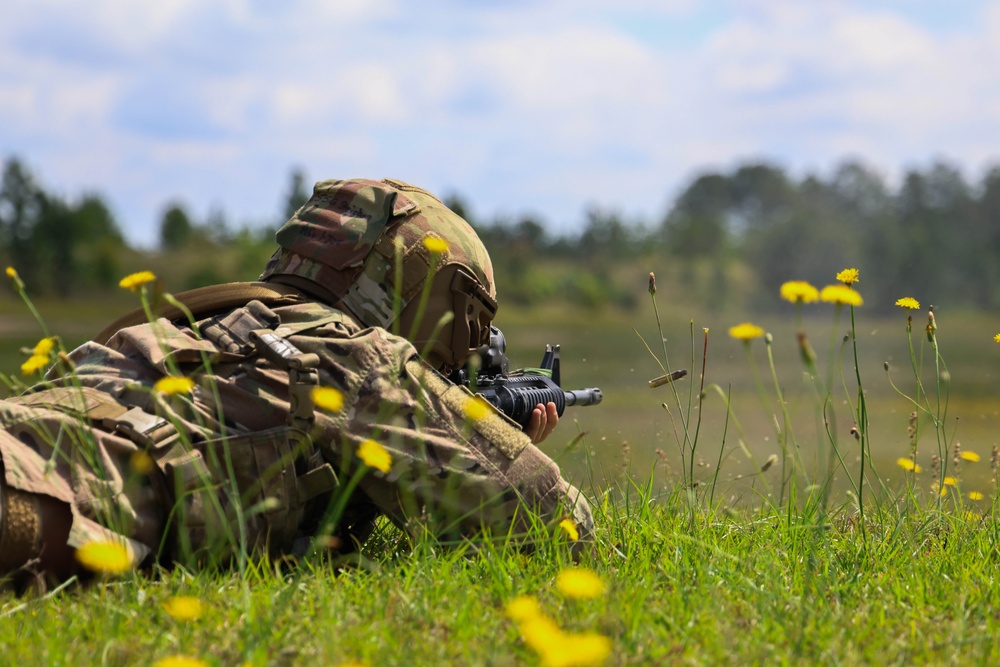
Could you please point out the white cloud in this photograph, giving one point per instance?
(546, 106)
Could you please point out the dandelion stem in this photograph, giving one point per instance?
(701, 400)
(862, 419)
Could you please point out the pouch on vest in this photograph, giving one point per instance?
(245, 480)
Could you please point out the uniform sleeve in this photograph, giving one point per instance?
(460, 471)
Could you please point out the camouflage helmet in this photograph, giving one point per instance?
(358, 242)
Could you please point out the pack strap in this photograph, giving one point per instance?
(206, 300)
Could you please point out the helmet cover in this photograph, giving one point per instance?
(359, 241)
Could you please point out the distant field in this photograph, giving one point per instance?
(603, 350)
(624, 432)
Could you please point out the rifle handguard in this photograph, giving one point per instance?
(517, 394)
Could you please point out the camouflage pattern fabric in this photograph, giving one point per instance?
(345, 239)
(178, 485)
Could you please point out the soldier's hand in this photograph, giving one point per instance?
(543, 421)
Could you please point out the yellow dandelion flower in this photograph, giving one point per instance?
(328, 398)
(172, 385)
(799, 291)
(477, 408)
(12, 274)
(746, 331)
(969, 515)
(840, 294)
(975, 495)
(34, 364)
(44, 347)
(970, 456)
(542, 635)
(436, 245)
(908, 302)
(375, 455)
(134, 281)
(996, 339)
(908, 465)
(180, 661)
(569, 526)
(522, 608)
(184, 607)
(579, 583)
(582, 649)
(848, 276)
(105, 556)
(141, 462)
(950, 481)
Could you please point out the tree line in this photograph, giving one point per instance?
(935, 236)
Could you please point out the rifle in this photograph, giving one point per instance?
(517, 393)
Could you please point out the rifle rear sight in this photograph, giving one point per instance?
(517, 393)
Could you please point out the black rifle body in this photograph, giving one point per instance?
(516, 394)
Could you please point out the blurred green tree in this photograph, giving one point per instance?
(176, 228)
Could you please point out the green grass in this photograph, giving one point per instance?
(705, 575)
(685, 587)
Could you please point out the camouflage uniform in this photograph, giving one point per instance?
(243, 460)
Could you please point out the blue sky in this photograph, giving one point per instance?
(542, 108)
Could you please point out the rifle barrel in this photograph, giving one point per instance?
(590, 396)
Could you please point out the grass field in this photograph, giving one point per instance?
(723, 570)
